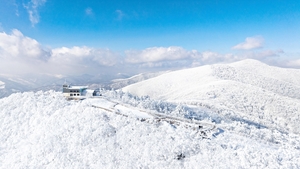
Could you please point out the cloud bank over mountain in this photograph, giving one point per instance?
(23, 55)
(250, 43)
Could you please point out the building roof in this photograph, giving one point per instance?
(78, 87)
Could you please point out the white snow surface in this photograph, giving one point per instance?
(43, 130)
(248, 91)
(120, 83)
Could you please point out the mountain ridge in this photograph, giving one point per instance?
(233, 90)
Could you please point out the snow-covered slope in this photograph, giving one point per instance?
(255, 108)
(11, 85)
(247, 90)
(120, 83)
(43, 130)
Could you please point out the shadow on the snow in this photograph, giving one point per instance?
(220, 131)
(252, 123)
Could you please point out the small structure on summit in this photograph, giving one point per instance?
(77, 92)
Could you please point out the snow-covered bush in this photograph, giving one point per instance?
(44, 130)
(145, 102)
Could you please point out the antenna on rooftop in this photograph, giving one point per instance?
(66, 84)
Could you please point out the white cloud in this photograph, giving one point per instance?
(269, 53)
(17, 8)
(260, 55)
(293, 63)
(32, 9)
(175, 57)
(22, 55)
(84, 55)
(208, 55)
(81, 60)
(16, 45)
(250, 43)
(156, 54)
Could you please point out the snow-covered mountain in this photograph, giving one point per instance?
(255, 108)
(120, 83)
(44, 130)
(9, 85)
(247, 90)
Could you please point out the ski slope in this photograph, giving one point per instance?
(247, 90)
(43, 130)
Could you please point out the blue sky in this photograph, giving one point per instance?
(160, 34)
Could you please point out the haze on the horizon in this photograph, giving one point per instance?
(76, 37)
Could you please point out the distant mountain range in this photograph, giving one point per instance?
(12, 84)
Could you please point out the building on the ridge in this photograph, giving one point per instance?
(70, 91)
(77, 91)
